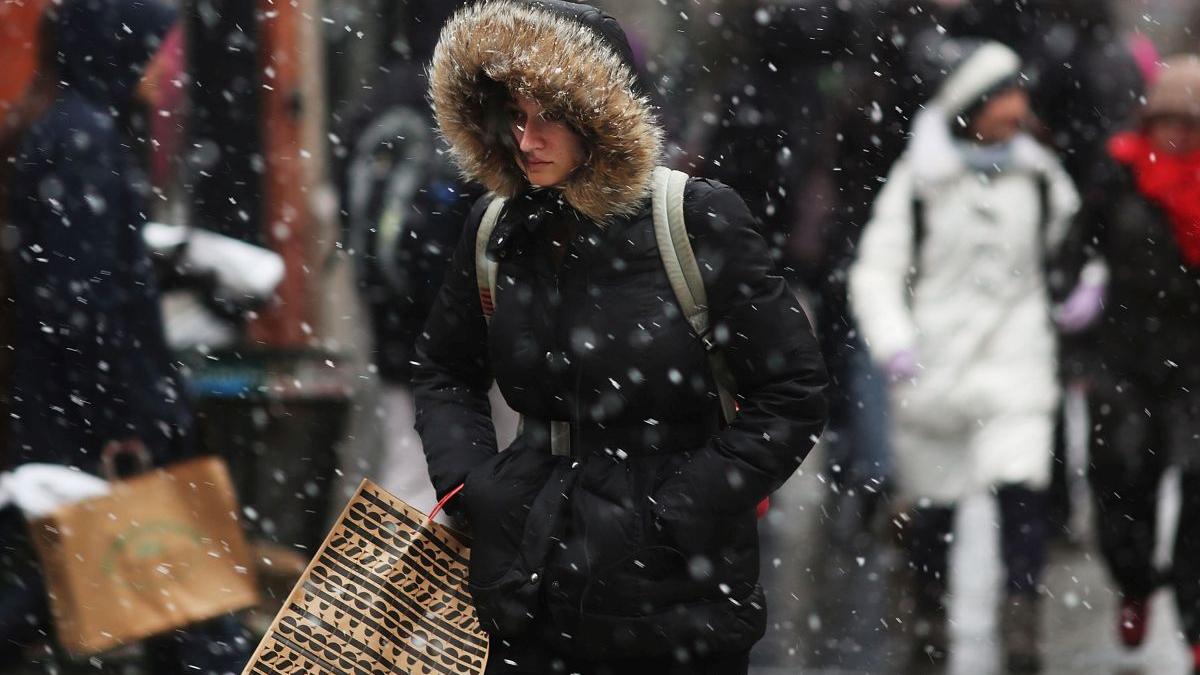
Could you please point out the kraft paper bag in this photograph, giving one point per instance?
(386, 593)
(162, 551)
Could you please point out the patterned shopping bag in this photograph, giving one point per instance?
(385, 594)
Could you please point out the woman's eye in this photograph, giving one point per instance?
(548, 116)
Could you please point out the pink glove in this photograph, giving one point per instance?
(1081, 308)
(903, 365)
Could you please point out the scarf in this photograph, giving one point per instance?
(1170, 180)
(986, 158)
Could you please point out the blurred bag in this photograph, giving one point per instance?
(163, 550)
(386, 592)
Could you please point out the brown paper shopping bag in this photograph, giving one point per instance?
(163, 550)
(386, 593)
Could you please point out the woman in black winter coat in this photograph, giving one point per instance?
(638, 550)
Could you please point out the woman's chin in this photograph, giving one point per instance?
(543, 179)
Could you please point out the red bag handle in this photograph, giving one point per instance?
(441, 504)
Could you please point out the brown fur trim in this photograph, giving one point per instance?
(567, 68)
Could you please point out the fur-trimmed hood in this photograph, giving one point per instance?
(574, 60)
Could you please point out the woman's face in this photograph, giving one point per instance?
(1002, 117)
(1175, 134)
(548, 148)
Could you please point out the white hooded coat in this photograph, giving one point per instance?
(980, 411)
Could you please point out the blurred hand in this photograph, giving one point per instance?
(904, 365)
(38, 489)
(1081, 309)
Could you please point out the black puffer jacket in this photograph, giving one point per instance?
(645, 541)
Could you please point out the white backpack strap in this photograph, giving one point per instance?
(485, 269)
(670, 230)
(676, 250)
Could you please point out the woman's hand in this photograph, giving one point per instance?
(1082, 308)
(904, 365)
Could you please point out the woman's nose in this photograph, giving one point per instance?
(530, 138)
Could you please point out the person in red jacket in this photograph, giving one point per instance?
(1137, 306)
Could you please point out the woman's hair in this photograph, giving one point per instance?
(497, 102)
(967, 131)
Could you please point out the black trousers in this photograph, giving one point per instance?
(1137, 433)
(1058, 496)
(1023, 528)
(517, 657)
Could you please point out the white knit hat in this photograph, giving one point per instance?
(979, 73)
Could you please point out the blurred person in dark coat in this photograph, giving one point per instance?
(1086, 81)
(883, 73)
(771, 105)
(403, 205)
(1136, 252)
(90, 364)
(809, 86)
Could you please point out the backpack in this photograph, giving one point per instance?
(675, 249)
(404, 207)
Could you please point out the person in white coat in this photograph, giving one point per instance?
(950, 291)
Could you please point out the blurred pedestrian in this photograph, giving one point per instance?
(1086, 82)
(763, 140)
(880, 84)
(1139, 312)
(404, 206)
(950, 292)
(1087, 79)
(617, 533)
(90, 364)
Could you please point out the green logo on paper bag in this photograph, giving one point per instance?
(153, 555)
